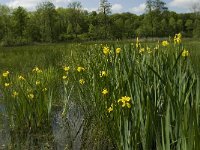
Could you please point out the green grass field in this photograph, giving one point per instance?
(46, 55)
(134, 95)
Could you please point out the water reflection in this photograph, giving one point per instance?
(4, 129)
(65, 134)
(68, 130)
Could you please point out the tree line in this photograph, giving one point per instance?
(50, 24)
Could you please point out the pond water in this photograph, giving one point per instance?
(4, 129)
(66, 132)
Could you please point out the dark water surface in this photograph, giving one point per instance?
(4, 129)
(66, 132)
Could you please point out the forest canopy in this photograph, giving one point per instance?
(50, 24)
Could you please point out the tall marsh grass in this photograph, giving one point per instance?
(147, 97)
(28, 98)
(134, 95)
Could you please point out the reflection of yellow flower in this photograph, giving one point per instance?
(125, 101)
(7, 84)
(21, 78)
(185, 53)
(110, 108)
(5, 74)
(118, 50)
(165, 43)
(15, 94)
(66, 68)
(37, 82)
(82, 81)
(79, 69)
(105, 91)
(103, 74)
(106, 50)
(30, 96)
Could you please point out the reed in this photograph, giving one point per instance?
(147, 96)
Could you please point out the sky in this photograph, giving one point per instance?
(118, 6)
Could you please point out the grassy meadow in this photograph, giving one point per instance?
(134, 95)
